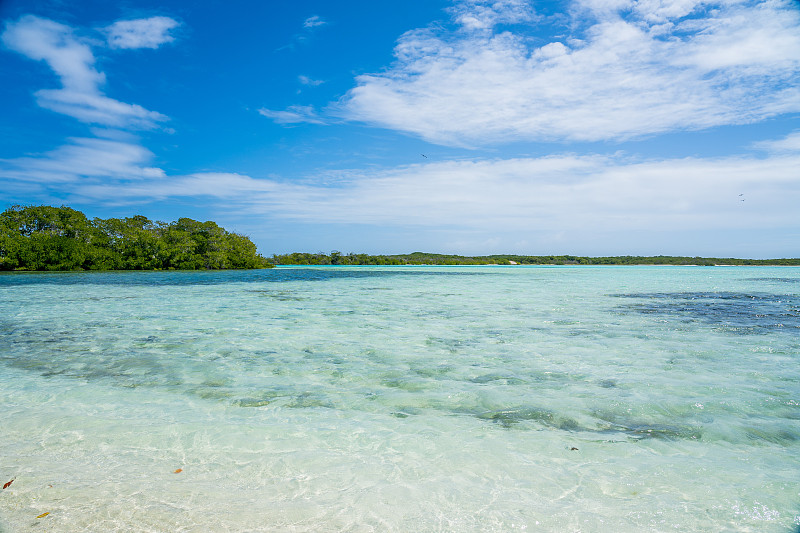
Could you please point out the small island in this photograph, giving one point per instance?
(61, 238)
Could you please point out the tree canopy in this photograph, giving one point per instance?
(61, 238)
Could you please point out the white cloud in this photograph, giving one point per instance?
(94, 108)
(560, 200)
(73, 61)
(82, 159)
(565, 192)
(305, 80)
(220, 185)
(54, 43)
(313, 22)
(628, 69)
(141, 33)
(485, 14)
(562, 194)
(790, 143)
(293, 115)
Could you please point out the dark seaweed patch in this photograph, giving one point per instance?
(497, 379)
(509, 418)
(734, 312)
(657, 431)
(281, 296)
(781, 437)
(608, 383)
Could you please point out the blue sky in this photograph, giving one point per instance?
(587, 127)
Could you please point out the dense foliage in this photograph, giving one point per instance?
(419, 258)
(61, 238)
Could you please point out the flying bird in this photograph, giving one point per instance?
(423, 155)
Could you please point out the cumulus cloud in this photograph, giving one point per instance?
(485, 14)
(623, 69)
(74, 63)
(141, 33)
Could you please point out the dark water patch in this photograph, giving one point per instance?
(405, 411)
(610, 423)
(132, 370)
(555, 377)
(774, 280)
(281, 296)
(218, 277)
(656, 431)
(781, 437)
(213, 393)
(512, 417)
(731, 312)
(308, 400)
(434, 372)
(405, 384)
(284, 397)
(251, 402)
(264, 397)
(339, 312)
(608, 383)
(451, 345)
(564, 322)
(499, 379)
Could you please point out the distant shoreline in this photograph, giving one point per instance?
(430, 259)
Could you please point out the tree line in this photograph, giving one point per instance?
(420, 258)
(61, 238)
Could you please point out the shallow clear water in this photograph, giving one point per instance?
(402, 399)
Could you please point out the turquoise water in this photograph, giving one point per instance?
(402, 399)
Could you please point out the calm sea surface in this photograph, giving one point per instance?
(593, 399)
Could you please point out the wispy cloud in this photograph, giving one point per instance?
(313, 22)
(221, 185)
(790, 143)
(141, 33)
(293, 115)
(84, 158)
(305, 80)
(560, 193)
(114, 155)
(627, 69)
(73, 61)
(310, 26)
(567, 192)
